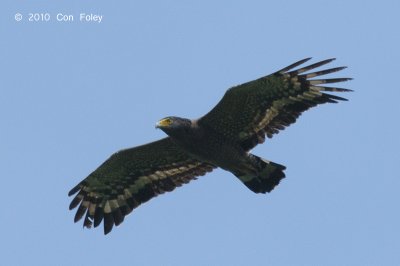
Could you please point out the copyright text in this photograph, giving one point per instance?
(60, 17)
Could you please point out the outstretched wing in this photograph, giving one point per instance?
(131, 177)
(264, 106)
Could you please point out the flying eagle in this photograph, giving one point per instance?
(222, 138)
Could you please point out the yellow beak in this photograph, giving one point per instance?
(163, 123)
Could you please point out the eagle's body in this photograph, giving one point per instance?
(204, 146)
(198, 140)
(222, 138)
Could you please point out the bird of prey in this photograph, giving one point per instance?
(222, 138)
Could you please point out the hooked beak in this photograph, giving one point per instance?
(163, 123)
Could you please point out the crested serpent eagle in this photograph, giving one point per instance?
(222, 138)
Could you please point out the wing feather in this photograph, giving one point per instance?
(269, 104)
(131, 177)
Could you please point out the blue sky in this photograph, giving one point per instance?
(72, 93)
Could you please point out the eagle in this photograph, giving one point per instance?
(244, 117)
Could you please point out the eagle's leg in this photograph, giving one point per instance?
(258, 174)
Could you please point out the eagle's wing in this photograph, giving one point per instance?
(131, 177)
(264, 106)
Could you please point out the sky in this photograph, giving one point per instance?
(74, 92)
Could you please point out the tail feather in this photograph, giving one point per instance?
(268, 176)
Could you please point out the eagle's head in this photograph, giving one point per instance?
(173, 125)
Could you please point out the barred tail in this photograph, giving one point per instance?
(268, 175)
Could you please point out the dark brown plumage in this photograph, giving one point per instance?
(222, 138)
